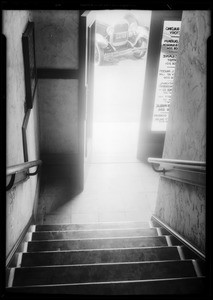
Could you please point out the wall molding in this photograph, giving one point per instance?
(56, 73)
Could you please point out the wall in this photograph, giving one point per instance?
(21, 199)
(56, 35)
(180, 205)
(58, 115)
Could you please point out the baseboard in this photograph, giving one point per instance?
(18, 242)
(179, 237)
(36, 199)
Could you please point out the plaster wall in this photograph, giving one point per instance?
(56, 35)
(56, 38)
(58, 109)
(180, 205)
(21, 199)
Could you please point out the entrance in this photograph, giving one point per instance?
(118, 85)
(119, 120)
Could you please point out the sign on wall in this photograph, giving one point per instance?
(168, 55)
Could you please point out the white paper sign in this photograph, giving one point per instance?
(169, 47)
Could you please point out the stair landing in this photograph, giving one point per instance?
(113, 192)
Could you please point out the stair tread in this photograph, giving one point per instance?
(185, 285)
(132, 224)
(98, 243)
(98, 233)
(99, 238)
(103, 272)
(110, 263)
(99, 256)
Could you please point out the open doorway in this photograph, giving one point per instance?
(118, 83)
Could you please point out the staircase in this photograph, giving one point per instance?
(105, 259)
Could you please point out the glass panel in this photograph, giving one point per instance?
(168, 55)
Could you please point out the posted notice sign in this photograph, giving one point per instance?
(169, 48)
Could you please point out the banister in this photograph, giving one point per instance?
(192, 172)
(23, 170)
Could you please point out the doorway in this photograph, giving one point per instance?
(117, 187)
(118, 90)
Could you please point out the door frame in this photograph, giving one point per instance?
(86, 18)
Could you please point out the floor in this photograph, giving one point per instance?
(113, 192)
(118, 187)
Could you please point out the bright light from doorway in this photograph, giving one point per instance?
(118, 93)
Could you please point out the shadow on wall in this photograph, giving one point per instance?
(58, 186)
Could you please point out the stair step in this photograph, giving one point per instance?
(90, 226)
(78, 244)
(98, 233)
(99, 256)
(103, 272)
(194, 285)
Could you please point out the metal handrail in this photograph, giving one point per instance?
(187, 171)
(178, 163)
(22, 168)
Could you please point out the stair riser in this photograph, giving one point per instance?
(93, 234)
(91, 226)
(96, 244)
(96, 256)
(103, 273)
(169, 287)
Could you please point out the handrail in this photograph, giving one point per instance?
(22, 168)
(192, 172)
(178, 162)
(179, 237)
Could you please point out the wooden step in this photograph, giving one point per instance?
(99, 256)
(98, 233)
(105, 243)
(91, 226)
(103, 272)
(171, 286)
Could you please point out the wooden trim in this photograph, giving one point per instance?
(179, 237)
(81, 96)
(30, 71)
(24, 134)
(36, 197)
(54, 73)
(189, 177)
(18, 242)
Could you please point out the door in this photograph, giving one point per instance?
(151, 138)
(86, 90)
(90, 91)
